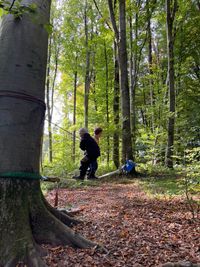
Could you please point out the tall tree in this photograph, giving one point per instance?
(74, 112)
(49, 103)
(107, 102)
(116, 109)
(25, 217)
(150, 60)
(120, 35)
(52, 71)
(171, 8)
(87, 67)
(134, 66)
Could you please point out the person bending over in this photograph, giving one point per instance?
(94, 165)
(91, 153)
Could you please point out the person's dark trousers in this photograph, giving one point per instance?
(83, 168)
(93, 166)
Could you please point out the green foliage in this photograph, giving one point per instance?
(162, 181)
(18, 9)
(192, 181)
(184, 181)
(163, 186)
(49, 28)
(2, 12)
(62, 165)
(151, 99)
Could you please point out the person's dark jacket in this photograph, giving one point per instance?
(89, 145)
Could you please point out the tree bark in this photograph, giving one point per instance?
(124, 86)
(120, 36)
(50, 94)
(150, 61)
(28, 221)
(74, 116)
(116, 109)
(171, 7)
(87, 69)
(107, 103)
(133, 80)
(25, 217)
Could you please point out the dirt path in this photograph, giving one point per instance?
(135, 229)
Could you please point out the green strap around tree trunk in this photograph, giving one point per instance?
(21, 175)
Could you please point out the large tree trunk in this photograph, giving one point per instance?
(120, 36)
(27, 220)
(171, 7)
(124, 86)
(25, 217)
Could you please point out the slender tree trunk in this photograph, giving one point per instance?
(150, 61)
(151, 82)
(48, 100)
(87, 70)
(107, 103)
(171, 7)
(198, 4)
(116, 98)
(94, 91)
(135, 58)
(74, 116)
(116, 109)
(50, 86)
(26, 219)
(93, 79)
(133, 82)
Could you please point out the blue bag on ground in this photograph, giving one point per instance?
(127, 168)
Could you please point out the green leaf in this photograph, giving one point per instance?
(49, 28)
(1, 12)
(33, 7)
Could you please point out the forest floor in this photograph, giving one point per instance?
(137, 229)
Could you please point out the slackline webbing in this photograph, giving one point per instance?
(21, 175)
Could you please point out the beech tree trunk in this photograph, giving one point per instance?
(26, 219)
(116, 109)
(120, 36)
(48, 100)
(133, 80)
(126, 129)
(171, 6)
(53, 53)
(107, 103)
(87, 70)
(74, 115)
(150, 61)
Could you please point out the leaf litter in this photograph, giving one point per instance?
(136, 230)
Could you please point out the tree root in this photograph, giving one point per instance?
(49, 229)
(31, 257)
(32, 221)
(62, 216)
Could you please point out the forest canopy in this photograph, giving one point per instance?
(130, 69)
(83, 88)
